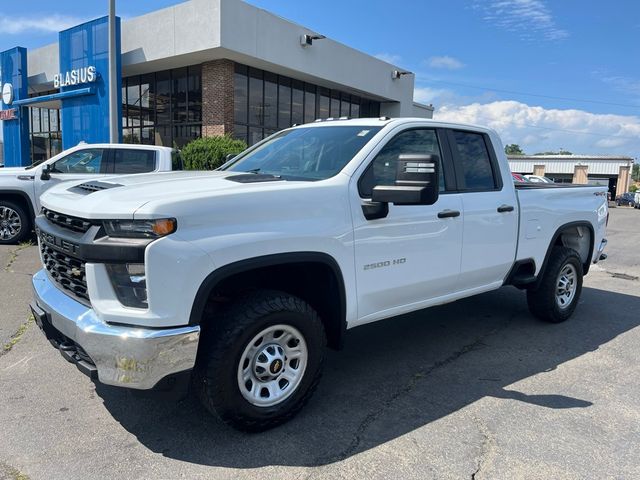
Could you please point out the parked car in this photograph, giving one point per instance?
(538, 179)
(627, 199)
(20, 188)
(236, 279)
(519, 178)
(636, 200)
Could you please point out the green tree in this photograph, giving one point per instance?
(559, 152)
(633, 188)
(513, 149)
(208, 153)
(635, 172)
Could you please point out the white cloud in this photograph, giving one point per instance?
(446, 62)
(428, 95)
(45, 23)
(529, 19)
(389, 58)
(538, 129)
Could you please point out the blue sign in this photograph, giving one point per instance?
(84, 61)
(15, 123)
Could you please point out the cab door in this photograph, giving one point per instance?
(490, 211)
(413, 253)
(78, 165)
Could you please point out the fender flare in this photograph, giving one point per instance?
(226, 271)
(559, 231)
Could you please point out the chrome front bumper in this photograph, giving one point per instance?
(599, 253)
(124, 356)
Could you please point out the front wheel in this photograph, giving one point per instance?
(557, 294)
(14, 223)
(261, 363)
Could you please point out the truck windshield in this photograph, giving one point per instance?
(313, 153)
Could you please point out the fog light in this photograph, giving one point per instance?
(130, 284)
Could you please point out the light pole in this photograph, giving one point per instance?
(113, 92)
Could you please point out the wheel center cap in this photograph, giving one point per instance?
(275, 366)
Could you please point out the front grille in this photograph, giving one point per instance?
(65, 270)
(67, 221)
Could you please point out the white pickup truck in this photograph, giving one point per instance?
(237, 279)
(20, 188)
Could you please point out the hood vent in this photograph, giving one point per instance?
(90, 187)
(253, 178)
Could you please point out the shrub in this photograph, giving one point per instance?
(208, 153)
(633, 188)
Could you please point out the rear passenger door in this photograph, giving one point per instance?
(489, 211)
(126, 161)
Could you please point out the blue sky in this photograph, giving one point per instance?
(546, 74)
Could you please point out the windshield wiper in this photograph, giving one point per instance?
(253, 170)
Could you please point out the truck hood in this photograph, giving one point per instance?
(16, 171)
(120, 197)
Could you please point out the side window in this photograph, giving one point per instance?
(82, 161)
(176, 160)
(133, 161)
(382, 170)
(475, 161)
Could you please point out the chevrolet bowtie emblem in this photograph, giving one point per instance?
(76, 272)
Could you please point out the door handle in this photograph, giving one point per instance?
(448, 213)
(505, 208)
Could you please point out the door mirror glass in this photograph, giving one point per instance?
(416, 181)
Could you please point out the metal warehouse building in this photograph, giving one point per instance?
(613, 172)
(202, 67)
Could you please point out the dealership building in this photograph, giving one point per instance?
(199, 68)
(611, 171)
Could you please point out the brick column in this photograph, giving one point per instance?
(623, 180)
(217, 98)
(538, 170)
(580, 174)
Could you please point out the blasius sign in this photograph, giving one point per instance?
(77, 76)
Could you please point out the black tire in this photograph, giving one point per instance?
(25, 223)
(542, 300)
(216, 375)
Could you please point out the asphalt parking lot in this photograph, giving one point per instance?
(477, 389)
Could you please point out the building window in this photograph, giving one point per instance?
(163, 108)
(45, 134)
(265, 103)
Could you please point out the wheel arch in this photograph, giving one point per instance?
(20, 197)
(570, 235)
(332, 313)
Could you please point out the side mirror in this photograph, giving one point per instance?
(46, 172)
(417, 182)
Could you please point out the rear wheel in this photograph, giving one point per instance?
(14, 223)
(557, 295)
(262, 362)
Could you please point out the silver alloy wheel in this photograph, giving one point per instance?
(566, 286)
(10, 223)
(272, 365)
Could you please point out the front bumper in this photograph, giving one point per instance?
(123, 356)
(599, 253)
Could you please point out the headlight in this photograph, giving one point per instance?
(130, 283)
(140, 228)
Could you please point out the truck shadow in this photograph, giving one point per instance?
(392, 378)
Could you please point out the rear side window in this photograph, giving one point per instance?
(473, 155)
(382, 170)
(133, 161)
(176, 160)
